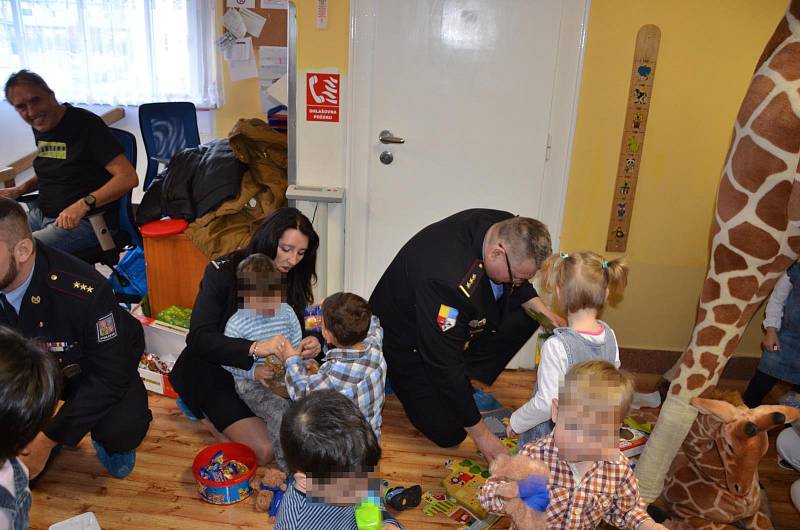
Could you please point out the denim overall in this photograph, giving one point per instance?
(17, 506)
(785, 363)
(578, 349)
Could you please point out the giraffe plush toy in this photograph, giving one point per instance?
(755, 237)
(713, 481)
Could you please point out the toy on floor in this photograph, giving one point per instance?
(223, 472)
(713, 481)
(464, 482)
(526, 495)
(270, 489)
(401, 498)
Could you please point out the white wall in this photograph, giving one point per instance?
(16, 138)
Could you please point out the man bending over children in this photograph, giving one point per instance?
(29, 389)
(590, 479)
(331, 451)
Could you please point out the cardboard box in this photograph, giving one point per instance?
(167, 342)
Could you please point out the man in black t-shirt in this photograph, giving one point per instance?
(80, 166)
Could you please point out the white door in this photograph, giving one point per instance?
(469, 87)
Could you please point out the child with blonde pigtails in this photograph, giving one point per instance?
(581, 283)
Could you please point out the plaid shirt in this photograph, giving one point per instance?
(609, 491)
(358, 374)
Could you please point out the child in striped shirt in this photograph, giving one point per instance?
(331, 451)
(269, 322)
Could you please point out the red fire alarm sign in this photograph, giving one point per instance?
(322, 97)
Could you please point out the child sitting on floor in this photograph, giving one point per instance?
(269, 322)
(29, 381)
(331, 450)
(582, 282)
(590, 479)
(354, 367)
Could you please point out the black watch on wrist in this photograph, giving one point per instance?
(90, 201)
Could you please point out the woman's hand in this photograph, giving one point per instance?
(771, 342)
(264, 374)
(272, 346)
(309, 347)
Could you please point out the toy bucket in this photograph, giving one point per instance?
(230, 491)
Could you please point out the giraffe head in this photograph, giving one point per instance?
(742, 440)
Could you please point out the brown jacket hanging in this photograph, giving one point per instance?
(263, 190)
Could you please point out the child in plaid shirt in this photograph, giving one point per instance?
(354, 366)
(590, 479)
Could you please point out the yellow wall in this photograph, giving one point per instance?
(707, 55)
(315, 49)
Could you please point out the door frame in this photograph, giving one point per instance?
(359, 141)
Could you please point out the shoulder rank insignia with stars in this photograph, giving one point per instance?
(69, 283)
(472, 278)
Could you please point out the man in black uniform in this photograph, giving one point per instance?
(451, 304)
(81, 168)
(67, 306)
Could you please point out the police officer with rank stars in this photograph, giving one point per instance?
(70, 309)
(452, 305)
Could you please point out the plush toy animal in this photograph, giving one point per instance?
(515, 469)
(713, 481)
(272, 482)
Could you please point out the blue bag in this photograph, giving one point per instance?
(129, 277)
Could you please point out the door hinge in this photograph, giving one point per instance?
(548, 148)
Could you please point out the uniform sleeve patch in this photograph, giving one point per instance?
(446, 319)
(106, 328)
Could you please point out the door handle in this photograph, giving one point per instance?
(386, 137)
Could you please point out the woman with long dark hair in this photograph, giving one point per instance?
(206, 389)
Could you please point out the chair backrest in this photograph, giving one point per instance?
(126, 223)
(166, 129)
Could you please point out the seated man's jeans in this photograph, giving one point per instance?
(79, 238)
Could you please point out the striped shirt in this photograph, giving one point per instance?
(357, 374)
(247, 324)
(298, 513)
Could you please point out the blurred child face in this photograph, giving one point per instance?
(345, 489)
(264, 305)
(585, 430)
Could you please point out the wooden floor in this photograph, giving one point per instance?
(160, 493)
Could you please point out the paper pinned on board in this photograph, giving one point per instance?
(274, 4)
(241, 3)
(273, 61)
(233, 22)
(239, 50)
(241, 68)
(252, 21)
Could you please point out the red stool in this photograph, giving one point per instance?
(174, 265)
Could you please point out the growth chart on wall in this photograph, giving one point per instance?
(640, 96)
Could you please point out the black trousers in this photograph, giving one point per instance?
(485, 359)
(758, 388)
(125, 424)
